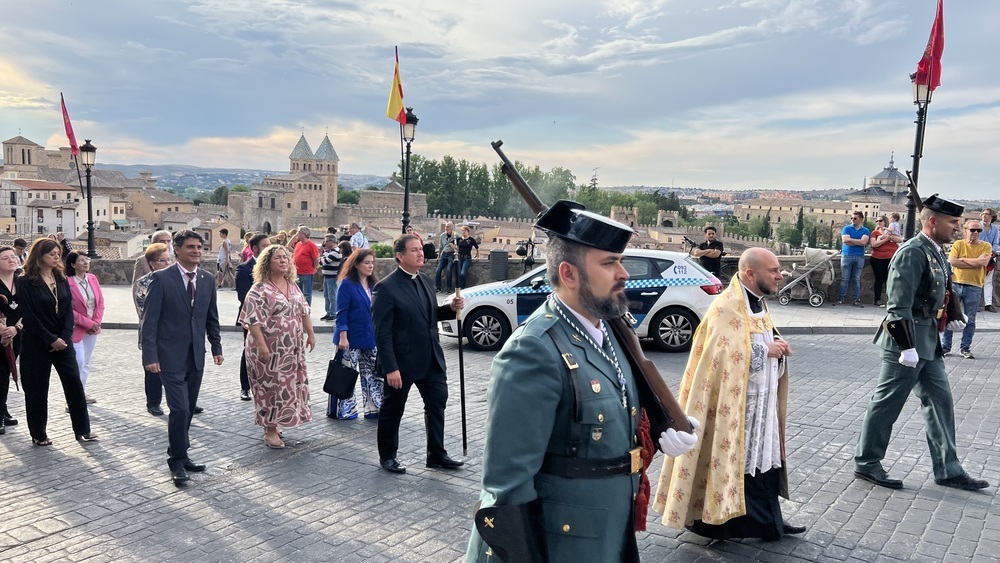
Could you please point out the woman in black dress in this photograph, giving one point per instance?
(47, 305)
(10, 334)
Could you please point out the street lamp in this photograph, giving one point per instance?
(409, 129)
(921, 97)
(88, 154)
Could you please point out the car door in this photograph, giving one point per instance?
(530, 299)
(645, 285)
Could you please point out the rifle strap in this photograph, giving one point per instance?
(576, 423)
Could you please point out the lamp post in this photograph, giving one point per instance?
(921, 97)
(408, 131)
(88, 154)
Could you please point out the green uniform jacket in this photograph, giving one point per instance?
(530, 403)
(918, 279)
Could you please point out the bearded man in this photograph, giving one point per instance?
(736, 383)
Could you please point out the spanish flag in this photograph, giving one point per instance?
(395, 110)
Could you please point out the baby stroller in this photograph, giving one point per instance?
(801, 285)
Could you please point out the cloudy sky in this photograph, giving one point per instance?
(767, 94)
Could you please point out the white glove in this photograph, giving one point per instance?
(909, 357)
(674, 443)
(957, 325)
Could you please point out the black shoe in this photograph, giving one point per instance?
(155, 410)
(989, 308)
(179, 475)
(392, 466)
(245, 395)
(967, 354)
(879, 477)
(325, 318)
(198, 410)
(963, 482)
(444, 462)
(9, 420)
(2, 429)
(790, 530)
(857, 303)
(193, 467)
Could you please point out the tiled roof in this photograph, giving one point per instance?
(326, 152)
(161, 196)
(19, 140)
(301, 149)
(43, 185)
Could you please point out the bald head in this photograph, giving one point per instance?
(760, 271)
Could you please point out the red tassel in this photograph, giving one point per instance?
(641, 506)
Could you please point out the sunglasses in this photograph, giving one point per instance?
(975, 230)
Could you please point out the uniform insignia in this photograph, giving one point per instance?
(577, 338)
(595, 385)
(596, 434)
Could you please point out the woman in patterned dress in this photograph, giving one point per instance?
(277, 317)
(157, 257)
(355, 335)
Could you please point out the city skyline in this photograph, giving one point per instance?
(749, 94)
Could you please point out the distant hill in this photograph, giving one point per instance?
(180, 177)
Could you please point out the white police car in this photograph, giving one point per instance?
(668, 292)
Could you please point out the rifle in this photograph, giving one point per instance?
(953, 308)
(661, 406)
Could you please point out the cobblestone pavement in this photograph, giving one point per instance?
(323, 498)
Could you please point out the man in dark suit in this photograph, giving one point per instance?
(405, 314)
(244, 281)
(180, 312)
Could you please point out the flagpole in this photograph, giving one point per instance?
(76, 162)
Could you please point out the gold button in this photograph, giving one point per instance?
(633, 411)
(600, 418)
(566, 528)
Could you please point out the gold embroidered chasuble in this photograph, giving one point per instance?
(707, 483)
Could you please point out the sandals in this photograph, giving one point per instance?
(87, 437)
(42, 442)
(274, 445)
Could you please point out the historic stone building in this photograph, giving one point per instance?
(888, 186)
(306, 195)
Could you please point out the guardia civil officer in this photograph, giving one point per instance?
(562, 436)
(912, 357)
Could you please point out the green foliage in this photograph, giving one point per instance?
(789, 234)
(800, 222)
(812, 236)
(348, 197)
(382, 250)
(240, 188)
(219, 196)
(761, 226)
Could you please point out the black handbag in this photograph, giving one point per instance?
(340, 378)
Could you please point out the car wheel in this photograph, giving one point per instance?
(673, 329)
(486, 329)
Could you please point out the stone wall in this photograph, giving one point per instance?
(119, 272)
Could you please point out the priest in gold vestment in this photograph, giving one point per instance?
(736, 385)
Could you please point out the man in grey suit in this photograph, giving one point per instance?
(180, 312)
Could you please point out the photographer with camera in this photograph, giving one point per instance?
(709, 253)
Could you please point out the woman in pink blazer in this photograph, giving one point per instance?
(88, 310)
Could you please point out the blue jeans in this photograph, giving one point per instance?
(970, 295)
(306, 286)
(444, 264)
(330, 295)
(463, 271)
(850, 271)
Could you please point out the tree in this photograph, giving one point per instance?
(763, 228)
(382, 250)
(789, 234)
(240, 188)
(348, 197)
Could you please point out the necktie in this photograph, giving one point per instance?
(190, 276)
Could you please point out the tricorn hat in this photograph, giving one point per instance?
(943, 206)
(571, 221)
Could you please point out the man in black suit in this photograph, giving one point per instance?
(405, 313)
(244, 281)
(180, 312)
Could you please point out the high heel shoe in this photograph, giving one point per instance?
(87, 437)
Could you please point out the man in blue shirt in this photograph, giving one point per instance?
(991, 235)
(852, 257)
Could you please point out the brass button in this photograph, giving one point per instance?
(490, 551)
(600, 418)
(633, 411)
(566, 528)
(634, 495)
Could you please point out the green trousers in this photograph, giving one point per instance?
(929, 382)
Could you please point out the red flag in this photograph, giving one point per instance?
(929, 67)
(69, 127)
(395, 109)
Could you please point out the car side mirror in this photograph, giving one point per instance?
(537, 283)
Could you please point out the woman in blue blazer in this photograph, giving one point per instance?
(355, 334)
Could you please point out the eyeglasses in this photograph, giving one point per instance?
(975, 230)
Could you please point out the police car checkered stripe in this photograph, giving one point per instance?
(630, 284)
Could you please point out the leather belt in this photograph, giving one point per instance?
(579, 468)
